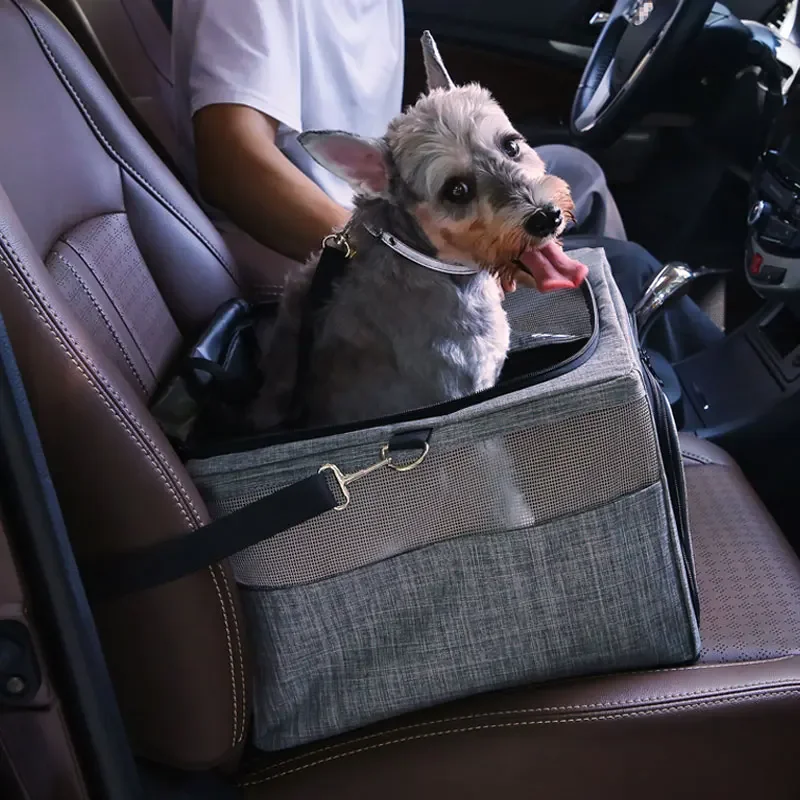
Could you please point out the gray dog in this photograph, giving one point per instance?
(450, 205)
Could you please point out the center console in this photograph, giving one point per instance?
(773, 248)
(756, 370)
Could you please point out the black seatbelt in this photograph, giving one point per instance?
(171, 559)
(113, 576)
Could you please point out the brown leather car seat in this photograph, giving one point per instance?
(107, 267)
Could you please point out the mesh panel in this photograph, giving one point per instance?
(538, 319)
(508, 482)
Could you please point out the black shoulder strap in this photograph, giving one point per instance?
(113, 576)
(330, 268)
(175, 558)
(171, 559)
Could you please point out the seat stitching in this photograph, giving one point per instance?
(129, 429)
(722, 665)
(158, 467)
(541, 710)
(104, 317)
(40, 36)
(702, 459)
(130, 424)
(189, 224)
(516, 724)
(238, 735)
(234, 740)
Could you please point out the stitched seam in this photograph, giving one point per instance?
(95, 128)
(130, 425)
(111, 299)
(500, 725)
(240, 659)
(692, 458)
(234, 738)
(701, 459)
(539, 710)
(722, 665)
(104, 317)
(158, 467)
(129, 429)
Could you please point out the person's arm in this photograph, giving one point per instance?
(242, 172)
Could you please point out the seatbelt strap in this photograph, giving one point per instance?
(172, 559)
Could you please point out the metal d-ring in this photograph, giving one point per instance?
(404, 467)
(340, 241)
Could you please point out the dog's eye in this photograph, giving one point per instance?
(457, 191)
(510, 146)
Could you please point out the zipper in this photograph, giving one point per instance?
(253, 442)
(672, 456)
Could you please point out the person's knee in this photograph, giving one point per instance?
(632, 266)
(633, 256)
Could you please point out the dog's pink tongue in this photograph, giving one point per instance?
(552, 268)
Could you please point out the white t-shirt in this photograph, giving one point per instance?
(310, 64)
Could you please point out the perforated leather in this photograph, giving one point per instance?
(749, 578)
(99, 268)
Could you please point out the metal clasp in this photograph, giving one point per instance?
(344, 479)
(341, 241)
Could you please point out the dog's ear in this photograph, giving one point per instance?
(361, 162)
(438, 76)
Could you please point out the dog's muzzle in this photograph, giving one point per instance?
(544, 221)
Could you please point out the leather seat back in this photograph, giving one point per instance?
(107, 265)
(129, 44)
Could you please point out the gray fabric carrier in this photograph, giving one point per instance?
(541, 536)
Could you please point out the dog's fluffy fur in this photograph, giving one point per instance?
(397, 336)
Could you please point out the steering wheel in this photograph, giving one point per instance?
(637, 46)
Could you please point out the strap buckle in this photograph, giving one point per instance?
(339, 240)
(344, 479)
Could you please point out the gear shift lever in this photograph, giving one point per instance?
(671, 282)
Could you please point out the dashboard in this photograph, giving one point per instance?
(773, 248)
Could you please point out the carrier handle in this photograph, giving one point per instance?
(114, 576)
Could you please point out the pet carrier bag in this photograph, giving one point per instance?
(534, 531)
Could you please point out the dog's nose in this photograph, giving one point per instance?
(543, 221)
